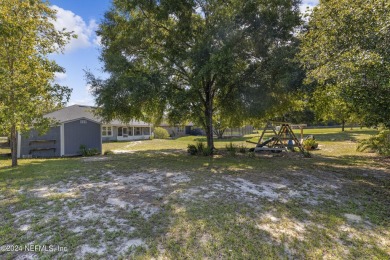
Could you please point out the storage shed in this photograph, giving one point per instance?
(76, 126)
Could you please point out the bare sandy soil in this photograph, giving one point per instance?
(103, 214)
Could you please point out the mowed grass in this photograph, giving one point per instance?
(335, 205)
(333, 141)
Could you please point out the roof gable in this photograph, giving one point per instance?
(73, 113)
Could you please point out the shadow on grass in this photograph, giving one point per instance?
(224, 140)
(341, 136)
(30, 171)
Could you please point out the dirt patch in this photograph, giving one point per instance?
(353, 217)
(106, 211)
(102, 204)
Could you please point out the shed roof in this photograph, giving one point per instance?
(75, 112)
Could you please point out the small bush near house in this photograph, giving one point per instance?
(160, 133)
(379, 143)
(88, 151)
(108, 152)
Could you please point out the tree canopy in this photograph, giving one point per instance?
(195, 59)
(27, 89)
(346, 53)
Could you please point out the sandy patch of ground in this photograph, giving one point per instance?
(105, 207)
(122, 151)
(100, 204)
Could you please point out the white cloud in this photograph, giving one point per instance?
(98, 41)
(59, 76)
(85, 32)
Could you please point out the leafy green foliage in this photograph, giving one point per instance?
(160, 133)
(379, 144)
(85, 151)
(191, 149)
(345, 52)
(191, 60)
(231, 148)
(27, 90)
(108, 152)
(310, 144)
(199, 149)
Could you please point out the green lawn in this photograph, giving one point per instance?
(4, 149)
(153, 200)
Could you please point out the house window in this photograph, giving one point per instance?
(137, 130)
(83, 121)
(145, 130)
(106, 131)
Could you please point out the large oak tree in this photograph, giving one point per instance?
(346, 53)
(192, 59)
(27, 89)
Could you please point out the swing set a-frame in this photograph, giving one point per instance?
(282, 139)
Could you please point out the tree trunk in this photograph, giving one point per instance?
(14, 146)
(209, 119)
(342, 125)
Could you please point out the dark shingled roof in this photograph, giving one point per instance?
(76, 112)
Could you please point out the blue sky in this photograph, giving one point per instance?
(82, 53)
(83, 17)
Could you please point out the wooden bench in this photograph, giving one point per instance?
(41, 142)
(41, 149)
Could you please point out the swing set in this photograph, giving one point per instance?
(283, 138)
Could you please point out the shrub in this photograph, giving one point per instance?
(242, 148)
(207, 151)
(88, 151)
(310, 144)
(191, 149)
(231, 148)
(199, 148)
(108, 152)
(379, 143)
(160, 133)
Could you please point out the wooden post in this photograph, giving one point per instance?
(301, 127)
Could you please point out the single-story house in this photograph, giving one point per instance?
(77, 125)
(179, 130)
(118, 131)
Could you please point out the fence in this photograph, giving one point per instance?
(246, 130)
